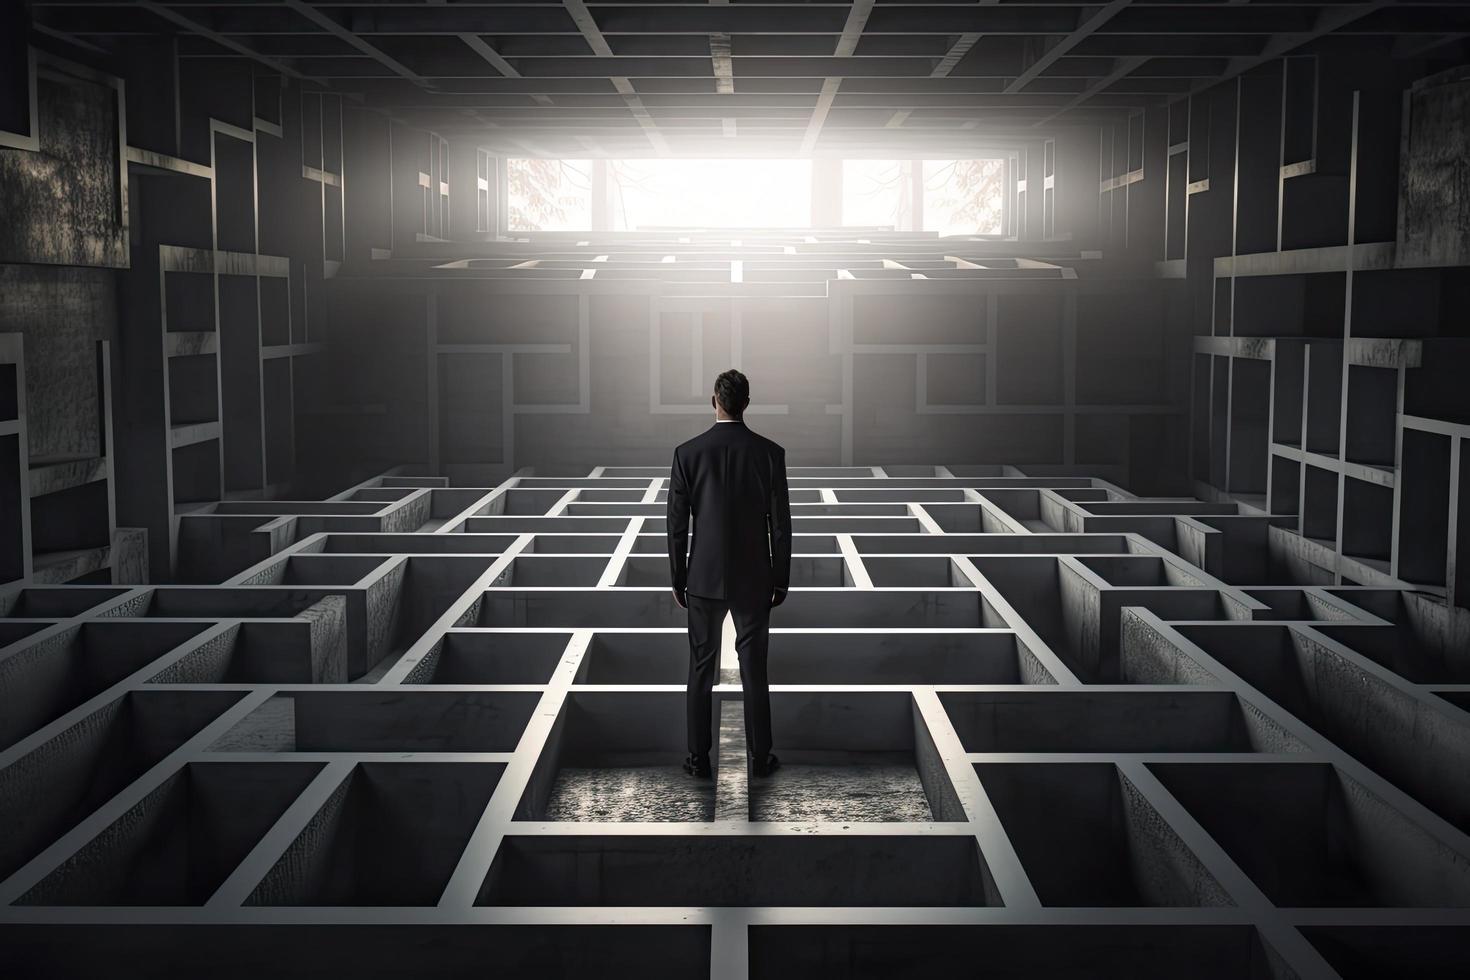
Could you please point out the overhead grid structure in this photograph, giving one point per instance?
(639, 79)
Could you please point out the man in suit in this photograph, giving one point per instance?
(733, 482)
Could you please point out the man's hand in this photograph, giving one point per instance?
(778, 597)
(680, 599)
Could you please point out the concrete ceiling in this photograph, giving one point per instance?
(567, 77)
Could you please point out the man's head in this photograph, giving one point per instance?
(732, 394)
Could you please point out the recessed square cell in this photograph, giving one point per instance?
(801, 544)
(1310, 835)
(44, 792)
(738, 870)
(179, 843)
(918, 657)
(654, 606)
(15, 630)
(1140, 571)
(1088, 837)
(972, 518)
(806, 572)
(308, 650)
(852, 757)
(1414, 655)
(636, 658)
(61, 602)
(1111, 721)
(383, 720)
(318, 570)
(934, 572)
(975, 544)
(1371, 952)
(1109, 951)
(503, 524)
(1301, 604)
(572, 544)
(848, 523)
(380, 543)
(517, 502)
(594, 495)
(390, 834)
(468, 657)
(617, 757)
(51, 674)
(635, 509)
(1412, 743)
(536, 571)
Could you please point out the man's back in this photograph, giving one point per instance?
(733, 482)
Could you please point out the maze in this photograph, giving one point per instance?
(1032, 726)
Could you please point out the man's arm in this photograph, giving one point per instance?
(779, 519)
(678, 529)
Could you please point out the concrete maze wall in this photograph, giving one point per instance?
(1027, 724)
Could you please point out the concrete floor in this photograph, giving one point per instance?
(880, 791)
(632, 794)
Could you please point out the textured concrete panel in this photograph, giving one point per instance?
(64, 201)
(838, 793)
(639, 794)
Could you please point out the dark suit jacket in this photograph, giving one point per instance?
(733, 481)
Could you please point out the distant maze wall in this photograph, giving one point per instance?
(477, 378)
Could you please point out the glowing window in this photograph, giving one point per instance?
(688, 193)
(876, 192)
(964, 197)
(549, 195)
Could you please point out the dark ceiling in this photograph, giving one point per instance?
(711, 78)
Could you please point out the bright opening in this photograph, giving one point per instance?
(549, 195)
(557, 195)
(964, 197)
(959, 197)
(656, 193)
(876, 192)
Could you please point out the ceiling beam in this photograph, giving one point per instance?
(640, 113)
(719, 56)
(478, 46)
(958, 50)
(1328, 20)
(334, 28)
(852, 31)
(193, 26)
(1406, 46)
(1121, 70)
(847, 42)
(585, 22)
(819, 115)
(592, 34)
(1067, 43)
(817, 23)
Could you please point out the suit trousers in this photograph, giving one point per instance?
(752, 633)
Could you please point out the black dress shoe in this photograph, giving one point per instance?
(766, 767)
(697, 766)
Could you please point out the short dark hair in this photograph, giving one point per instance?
(732, 390)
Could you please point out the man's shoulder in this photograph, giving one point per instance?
(770, 445)
(715, 435)
(692, 444)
